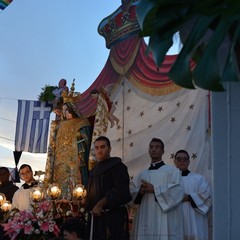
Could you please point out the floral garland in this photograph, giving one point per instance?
(35, 223)
(47, 93)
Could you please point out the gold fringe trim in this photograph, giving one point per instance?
(155, 91)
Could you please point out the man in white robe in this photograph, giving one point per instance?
(197, 200)
(21, 198)
(159, 192)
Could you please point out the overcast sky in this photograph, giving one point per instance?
(40, 43)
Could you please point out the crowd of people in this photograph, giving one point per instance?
(171, 202)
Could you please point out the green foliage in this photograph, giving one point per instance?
(46, 94)
(219, 20)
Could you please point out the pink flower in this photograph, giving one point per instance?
(28, 229)
(56, 230)
(36, 220)
(44, 226)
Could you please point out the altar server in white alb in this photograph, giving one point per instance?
(159, 193)
(21, 198)
(197, 200)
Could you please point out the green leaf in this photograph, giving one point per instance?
(231, 71)
(160, 19)
(145, 8)
(159, 47)
(180, 72)
(46, 94)
(160, 16)
(206, 74)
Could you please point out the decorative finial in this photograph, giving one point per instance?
(73, 86)
(71, 97)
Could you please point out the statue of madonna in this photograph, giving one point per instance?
(68, 151)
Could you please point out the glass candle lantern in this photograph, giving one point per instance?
(6, 206)
(36, 194)
(54, 191)
(79, 191)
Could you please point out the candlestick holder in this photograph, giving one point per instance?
(6, 206)
(36, 194)
(79, 192)
(54, 191)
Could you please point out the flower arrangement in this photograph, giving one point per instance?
(35, 223)
(47, 93)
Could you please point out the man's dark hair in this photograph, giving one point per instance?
(25, 165)
(5, 169)
(158, 140)
(103, 138)
(74, 225)
(181, 151)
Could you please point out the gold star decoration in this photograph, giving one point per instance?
(194, 156)
(160, 109)
(141, 114)
(131, 144)
(191, 106)
(188, 128)
(129, 132)
(173, 119)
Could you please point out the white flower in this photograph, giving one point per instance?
(28, 223)
(82, 209)
(37, 231)
(68, 213)
(31, 208)
(40, 223)
(40, 214)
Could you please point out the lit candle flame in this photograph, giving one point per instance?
(6, 206)
(37, 195)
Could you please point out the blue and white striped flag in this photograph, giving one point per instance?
(32, 126)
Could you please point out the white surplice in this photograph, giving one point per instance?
(196, 219)
(21, 199)
(159, 216)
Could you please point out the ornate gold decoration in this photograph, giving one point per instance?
(71, 97)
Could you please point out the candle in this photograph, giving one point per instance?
(54, 191)
(36, 195)
(6, 206)
(79, 191)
